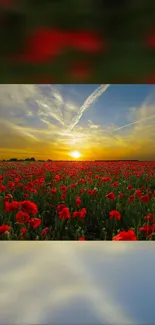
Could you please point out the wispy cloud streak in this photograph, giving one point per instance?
(34, 99)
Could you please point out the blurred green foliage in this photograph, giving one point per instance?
(124, 24)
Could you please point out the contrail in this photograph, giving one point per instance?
(135, 122)
(98, 92)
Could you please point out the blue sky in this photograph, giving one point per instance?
(77, 283)
(50, 121)
(115, 102)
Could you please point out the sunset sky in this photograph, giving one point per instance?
(51, 121)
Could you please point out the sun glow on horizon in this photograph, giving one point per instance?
(75, 154)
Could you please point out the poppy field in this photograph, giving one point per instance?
(112, 200)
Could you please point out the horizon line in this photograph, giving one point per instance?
(74, 160)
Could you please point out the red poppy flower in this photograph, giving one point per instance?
(76, 214)
(145, 198)
(131, 199)
(115, 184)
(125, 235)
(63, 196)
(35, 222)
(149, 217)
(115, 214)
(78, 201)
(44, 232)
(12, 206)
(129, 187)
(22, 217)
(80, 214)
(53, 190)
(138, 193)
(81, 239)
(64, 214)
(73, 185)
(83, 212)
(111, 196)
(2, 188)
(60, 207)
(4, 228)
(63, 188)
(58, 178)
(23, 231)
(147, 229)
(29, 207)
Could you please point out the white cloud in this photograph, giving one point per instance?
(93, 126)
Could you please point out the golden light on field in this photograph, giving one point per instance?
(75, 154)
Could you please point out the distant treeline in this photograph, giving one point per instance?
(26, 159)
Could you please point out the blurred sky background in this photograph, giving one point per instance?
(77, 283)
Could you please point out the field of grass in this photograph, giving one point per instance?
(77, 200)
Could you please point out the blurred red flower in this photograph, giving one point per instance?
(111, 196)
(12, 206)
(129, 187)
(131, 198)
(125, 235)
(2, 188)
(78, 201)
(115, 214)
(147, 229)
(23, 231)
(29, 207)
(80, 214)
(80, 70)
(145, 198)
(7, 3)
(64, 214)
(122, 195)
(43, 44)
(150, 39)
(115, 184)
(4, 228)
(45, 232)
(138, 193)
(88, 41)
(149, 217)
(35, 222)
(22, 217)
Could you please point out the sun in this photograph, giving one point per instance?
(75, 154)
